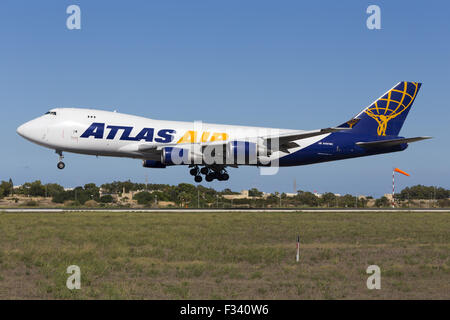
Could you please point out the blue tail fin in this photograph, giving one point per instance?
(386, 115)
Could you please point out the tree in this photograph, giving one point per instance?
(184, 197)
(228, 191)
(143, 197)
(362, 202)
(5, 189)
(36, 189)
(53, 189)
(328, 199)
(347, 201)
(12, 186)
(382, 202)
(106, 198)
(92, 190)
(423, 192)
(253, 192)
(61, 197)
(308, 198)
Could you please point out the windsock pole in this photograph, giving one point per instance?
(393, 188)
(393, 183)
(297, 257)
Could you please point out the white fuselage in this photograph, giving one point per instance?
(62, 129)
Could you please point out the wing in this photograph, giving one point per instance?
(286, 141)
(150, 150)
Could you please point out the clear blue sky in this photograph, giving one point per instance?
(287, 64)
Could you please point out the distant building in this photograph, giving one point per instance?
(318, 195)
(242, 195)
(388, 196)
(290, 195)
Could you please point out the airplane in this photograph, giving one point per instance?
(209, 149)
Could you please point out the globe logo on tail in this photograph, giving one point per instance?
(391, 105)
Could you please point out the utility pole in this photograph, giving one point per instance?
(408, 200)
(429, 203)
(434, 195)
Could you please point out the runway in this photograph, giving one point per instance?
(61, 210)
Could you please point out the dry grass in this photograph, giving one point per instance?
(240, 255)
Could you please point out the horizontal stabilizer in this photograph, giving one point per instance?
(389, 143)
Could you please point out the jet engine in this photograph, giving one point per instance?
(173, 156)
(153, 164)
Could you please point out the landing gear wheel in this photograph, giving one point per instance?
(204, 170)
(224, 177)
(61, 165)
(198, 179)
(194, 171)
(209, 178)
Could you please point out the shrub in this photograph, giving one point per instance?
(107, 199)
(90, 203)
(31, 203)
(143, 197)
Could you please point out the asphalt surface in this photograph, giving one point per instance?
(43, 210)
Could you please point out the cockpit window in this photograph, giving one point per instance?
(51, 112)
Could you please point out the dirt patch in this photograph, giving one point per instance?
(21, 282)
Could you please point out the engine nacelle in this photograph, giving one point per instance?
(244, 152)
(233, 152)
(174, 156)
(153, 164)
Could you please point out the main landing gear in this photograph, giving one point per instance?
(210, 173)
(61, 165)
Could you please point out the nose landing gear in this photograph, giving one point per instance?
(61, 165)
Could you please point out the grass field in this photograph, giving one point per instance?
(240, 255)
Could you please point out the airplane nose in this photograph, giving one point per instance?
(31, 130)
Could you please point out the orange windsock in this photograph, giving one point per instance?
(401, 171)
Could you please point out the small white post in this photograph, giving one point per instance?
(297, 258)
